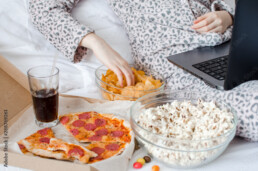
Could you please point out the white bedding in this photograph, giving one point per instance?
(25, 47)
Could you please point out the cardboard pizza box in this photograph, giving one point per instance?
(15, 98)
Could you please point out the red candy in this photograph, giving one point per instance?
(78, 123)
(98, 150)
(74, 131)
(137, 165)
(101, 132)
(64, 119)
(90, 127)
(112, 147)
(76, 151)
(117, 133)
(100, 122)
(44, 140)
(85, 115)
(43, 131)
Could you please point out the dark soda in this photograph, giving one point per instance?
(45, 103)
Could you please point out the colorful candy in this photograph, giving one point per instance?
(141, 160)
(155, 168)
(137, 165)
(147, 159)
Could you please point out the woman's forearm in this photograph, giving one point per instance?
(109, 57)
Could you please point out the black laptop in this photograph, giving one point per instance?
(227, 65)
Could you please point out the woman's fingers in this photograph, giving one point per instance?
(203, 23)
(130, 75)
(119, 75)
(217, 21)
(207, 28)
(200, 18)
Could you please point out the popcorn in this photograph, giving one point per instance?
(188, 122)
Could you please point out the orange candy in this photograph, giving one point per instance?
(155, 168)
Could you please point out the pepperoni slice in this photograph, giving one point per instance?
(74, 131)
(112, 147)
(43, 131)
(100, 122)
(90, 126)
(76, 151)
(85, 115)
(101, 132)
(117, 133)
(44, 140)
(95, 138)
(96, 158)
(21, 146)
(98, 150)
(78, 123)
(64, 119)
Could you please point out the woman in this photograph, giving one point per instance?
(156, 29)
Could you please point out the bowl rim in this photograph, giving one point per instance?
(110, 92)
(177, 150)
(232, 110)
(120, 88)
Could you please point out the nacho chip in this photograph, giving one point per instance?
(142, 83)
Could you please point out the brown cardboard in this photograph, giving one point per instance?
(16, 98)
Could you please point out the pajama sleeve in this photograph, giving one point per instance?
(218, 5)
(53, 19)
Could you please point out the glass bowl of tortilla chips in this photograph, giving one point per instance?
(110, 89)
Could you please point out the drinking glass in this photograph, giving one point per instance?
(44, 83)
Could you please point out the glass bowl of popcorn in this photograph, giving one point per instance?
(110, 88)
(183, 129)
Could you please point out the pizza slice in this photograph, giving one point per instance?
(96, 127)
(37, 139)
(105, 150)
(71, 150)
(42, 143)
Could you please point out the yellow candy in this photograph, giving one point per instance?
(141, 160)
(155, 168)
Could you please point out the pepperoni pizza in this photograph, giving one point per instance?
(107, 135)
(96, 127)
(43, 143)
(105, 150)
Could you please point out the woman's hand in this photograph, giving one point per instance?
(217, 21)
(109, 57)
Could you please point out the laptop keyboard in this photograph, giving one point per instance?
(216, 68)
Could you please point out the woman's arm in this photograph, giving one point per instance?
(53, 19)
(217, 21)
(109, 57)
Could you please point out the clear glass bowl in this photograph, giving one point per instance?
(174, 152)
(114, 94)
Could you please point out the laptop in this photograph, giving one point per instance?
(234, 62)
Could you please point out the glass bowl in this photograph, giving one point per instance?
(114, 94)
(175, 152)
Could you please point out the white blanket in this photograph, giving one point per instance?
(25, 47)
